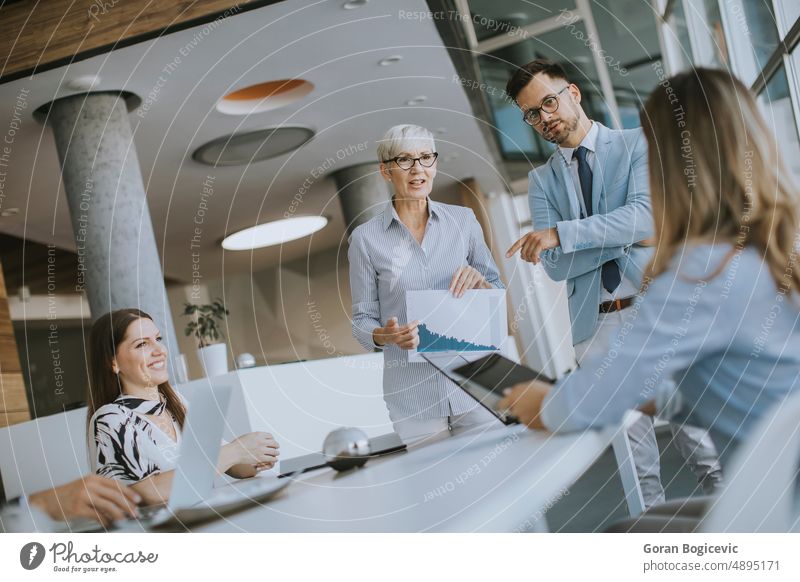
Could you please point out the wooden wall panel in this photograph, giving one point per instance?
(37, 35)
(13, 400)
(472, 196)
(10, 418)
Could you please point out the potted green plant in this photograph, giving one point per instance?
(205, 327)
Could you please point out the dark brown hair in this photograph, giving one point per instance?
(104, 385)
(716, 174)
(523, 75)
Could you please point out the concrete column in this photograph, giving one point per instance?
(117, 255)
(362, 192)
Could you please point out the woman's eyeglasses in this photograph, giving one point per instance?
(407, 162)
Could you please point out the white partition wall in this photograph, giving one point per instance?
(538, 306)
(301, 403)
(43, 453)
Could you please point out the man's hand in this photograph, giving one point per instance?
(93, 497)
(405, 336)
(532, 244)
(524, 401)
(466, 278)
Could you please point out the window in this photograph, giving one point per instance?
(752, 41)
(788, 13)
(677, 37)
(751, 28)
(706, 33)
(631, 52)
(776, 104)
(501, 17)
(566, 45)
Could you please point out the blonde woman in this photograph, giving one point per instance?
(719, 312)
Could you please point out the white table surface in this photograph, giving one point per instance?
(490, 481)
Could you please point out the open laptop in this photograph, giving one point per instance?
(485, 377)
(193, 497)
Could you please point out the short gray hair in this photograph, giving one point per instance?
(404, 138)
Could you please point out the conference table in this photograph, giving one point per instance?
(495, 480)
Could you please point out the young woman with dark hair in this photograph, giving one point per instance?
(135, 417)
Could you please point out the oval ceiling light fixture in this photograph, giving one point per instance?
(393, 60)
(264, 96)
(274, 233)
(418, 100)
(254, 146)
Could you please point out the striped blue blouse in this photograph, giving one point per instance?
(385, 262)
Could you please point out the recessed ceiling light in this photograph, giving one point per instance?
(9, 212)
(418, 100)
(354, 4)
(274, 233)
(83, 83)
(253, 146)
(390, 60)
(264, 96)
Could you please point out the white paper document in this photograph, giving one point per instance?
(476, 323)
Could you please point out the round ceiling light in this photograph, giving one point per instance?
(264, 96)
(353, 4)
(274, 233)
(254, 146)
(390, 60)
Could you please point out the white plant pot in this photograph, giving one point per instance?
(214, 359)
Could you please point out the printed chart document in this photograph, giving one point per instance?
(475, 323)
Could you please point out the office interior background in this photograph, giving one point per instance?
(252, 112)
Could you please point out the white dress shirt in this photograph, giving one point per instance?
(626, 288)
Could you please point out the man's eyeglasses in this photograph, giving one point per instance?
(407, 162)
(549, 105)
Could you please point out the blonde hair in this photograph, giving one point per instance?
(404, 138)
(716, 176)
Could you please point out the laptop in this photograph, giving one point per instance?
(485, 377)
(379, 446)
(193, 497)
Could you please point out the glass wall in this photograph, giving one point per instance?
(609, 48)
(751, 39)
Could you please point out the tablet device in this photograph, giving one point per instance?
(485, 378)
(384, 444)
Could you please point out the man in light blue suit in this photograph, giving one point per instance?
(590, 206)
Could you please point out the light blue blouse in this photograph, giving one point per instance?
(385, 262)
(718, 325)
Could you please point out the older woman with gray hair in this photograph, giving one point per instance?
(415, 244)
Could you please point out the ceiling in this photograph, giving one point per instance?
(353, 102)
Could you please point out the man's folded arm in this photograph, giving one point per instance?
(558, 264)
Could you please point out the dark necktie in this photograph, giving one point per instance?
(610, 273)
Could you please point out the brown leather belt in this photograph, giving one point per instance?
(616, 304)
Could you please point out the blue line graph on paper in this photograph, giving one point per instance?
(473, 323)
